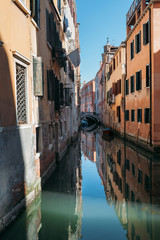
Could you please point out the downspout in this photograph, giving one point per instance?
(150, 53)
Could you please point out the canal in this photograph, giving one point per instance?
(102, 189)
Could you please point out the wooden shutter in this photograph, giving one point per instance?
(136, 43)
(38, 76)
(139, 41)
(57, 105)
(137, 81)
(52, 30)
(48, 26)
(33, 8)
(144, 34)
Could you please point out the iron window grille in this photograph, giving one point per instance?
(21, 94)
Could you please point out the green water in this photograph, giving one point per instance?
(100, 190)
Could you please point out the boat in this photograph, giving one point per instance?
(107, 131)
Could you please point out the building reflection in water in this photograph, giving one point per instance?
(57, 212)
(131, 183)
(62, 199)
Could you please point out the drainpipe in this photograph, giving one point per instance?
(150, 53)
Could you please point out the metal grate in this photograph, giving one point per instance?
(21, 93)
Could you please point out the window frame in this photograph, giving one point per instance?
(139, 110)
(17, 61)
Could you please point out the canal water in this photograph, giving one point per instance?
(102, 189)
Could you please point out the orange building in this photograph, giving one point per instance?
(142, 88)
(115, 76)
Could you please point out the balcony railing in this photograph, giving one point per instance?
(132, 9)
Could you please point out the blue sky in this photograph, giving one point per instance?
(99, 20)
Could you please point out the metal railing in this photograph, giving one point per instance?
(132, 9)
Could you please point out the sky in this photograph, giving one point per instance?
(99, 20)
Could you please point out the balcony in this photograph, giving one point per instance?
(135, 5)
(139, 6)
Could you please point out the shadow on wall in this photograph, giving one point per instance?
(12, 185)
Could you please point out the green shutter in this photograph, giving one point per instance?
(48, 26)
(136, 46)
(38, 76)
(140, 41)
(144, 34)
(33, 7)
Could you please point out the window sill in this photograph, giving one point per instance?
(22, 6)
(35, 24)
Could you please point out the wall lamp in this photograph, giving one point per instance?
(1, 43)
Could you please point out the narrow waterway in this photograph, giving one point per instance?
(102, 189)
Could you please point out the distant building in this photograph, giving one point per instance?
(88, 97)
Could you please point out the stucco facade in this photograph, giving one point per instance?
(142, 102)
(39, 95)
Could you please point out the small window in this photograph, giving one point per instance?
(147, 183)
(132, 83)
(147, 75)
(132, 49)
(132, 196)
(35, 10)
(133, 169)
(147, 115)
(127, 87)
(140, 176)
(139, 115)
(38, 139)
(146, 33)
(139, 80)
(59, 5)
(119, 113)
(114, 64)
(138, 42)
(127, 115)
(119, 157)
(120, 57)
(132, 115)
(127, 164)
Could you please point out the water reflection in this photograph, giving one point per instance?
(120, 192)
(131, 183)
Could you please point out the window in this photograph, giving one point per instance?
(21, 75)
(38, 139)
(132, 83)
(132, 49)
(147, 183)
(147, 115)
(133, 169)
(146, 33)
(51, 30)
(51, 85)
(113, 64)
(127, 87)
(50, 129)
(132, 196)
(127, 164)
(138, 42)
(119, 157)
(132, 115)
(120, 57)
(139, 115)
(138, 80)
(35, 10)
(140, 176)
(119, 114)
(147, 75)
(127, 191)
(127, 115)
(59, 5)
